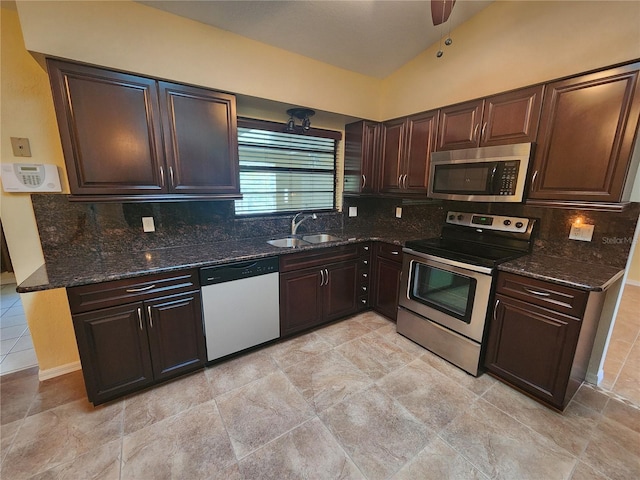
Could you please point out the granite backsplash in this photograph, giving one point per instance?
(72, 228)
(612, 236)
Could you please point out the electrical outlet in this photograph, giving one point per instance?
(20, 147)
(582, 232)
(353, 211)
(398, 212)
(148, 225)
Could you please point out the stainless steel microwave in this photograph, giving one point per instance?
(484, 174)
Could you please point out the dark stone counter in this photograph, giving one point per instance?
(95, 267)
(571, 273)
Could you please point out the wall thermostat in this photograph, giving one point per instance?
(30, 177)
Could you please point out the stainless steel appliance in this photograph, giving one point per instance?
(240, 303)
(484, 174)
(447, 283)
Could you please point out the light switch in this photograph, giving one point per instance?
(581, 231)
(353, 211)
(148, 225)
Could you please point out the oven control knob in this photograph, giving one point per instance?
(460, 217)
(507, 222)
(519, 224)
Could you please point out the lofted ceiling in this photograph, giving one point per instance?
(371, 37)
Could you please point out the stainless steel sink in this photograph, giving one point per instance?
(288, 242)
(320, 238)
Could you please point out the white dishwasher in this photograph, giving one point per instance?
(241, 305)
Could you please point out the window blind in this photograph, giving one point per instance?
(283, 172)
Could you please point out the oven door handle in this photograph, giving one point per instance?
(452, 263)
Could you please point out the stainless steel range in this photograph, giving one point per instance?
(447, 283)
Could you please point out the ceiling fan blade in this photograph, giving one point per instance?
(440, 10)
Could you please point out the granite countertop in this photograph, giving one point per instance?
(563, 271)
(99, 267)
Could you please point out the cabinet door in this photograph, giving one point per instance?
(391, 170)
(386, 287)
(300, 300)
(421, 137)
(540, 367)
(114, 351)
(511, 117)
(110, 129)
(200, 134)
(460, 126)
(361, 151)
(340, 290)
(176, 336)
(586, 136)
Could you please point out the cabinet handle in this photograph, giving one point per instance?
(326, 273)
(366, 262)
(365, 275)
(535, 292)
(405, 181)
(395, 252)
(173, 184)
(484, 131)
(364, 289)
(533, 179)
(141, 289)
(161, 176)
(495, 310)
(140, 318)
(149, 314)
(364, 181)
(399, 181)
(475, 132)
(364, 302)
(366, 247)
(322, 278)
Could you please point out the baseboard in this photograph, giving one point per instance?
(57, 371)
(595, 379)
(635, 283)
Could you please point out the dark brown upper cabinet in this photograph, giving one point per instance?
(406, 152)
(361, 157)
(587, 132)
(502, 119)
(125, 136)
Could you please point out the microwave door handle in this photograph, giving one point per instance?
(492, 181)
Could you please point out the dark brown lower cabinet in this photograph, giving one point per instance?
(541, 336)
(127, 347)
(386, 279)
(327, 288)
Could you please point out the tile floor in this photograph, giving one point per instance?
(353, 400)
(16, 348)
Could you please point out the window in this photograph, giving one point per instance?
(284, 172)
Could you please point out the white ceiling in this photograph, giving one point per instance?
(372, 37)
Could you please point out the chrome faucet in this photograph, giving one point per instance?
(295, 225)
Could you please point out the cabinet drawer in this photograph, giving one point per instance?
(549, 295)
(316, 258)
(390, 251)
(107, 294)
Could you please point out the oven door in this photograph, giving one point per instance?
(446, 292)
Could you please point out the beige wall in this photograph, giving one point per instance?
(26, 110)
(512, 44)
(133, 37)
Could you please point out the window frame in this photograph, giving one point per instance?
(271, 126)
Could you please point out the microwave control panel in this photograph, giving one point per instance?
(508, 178)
